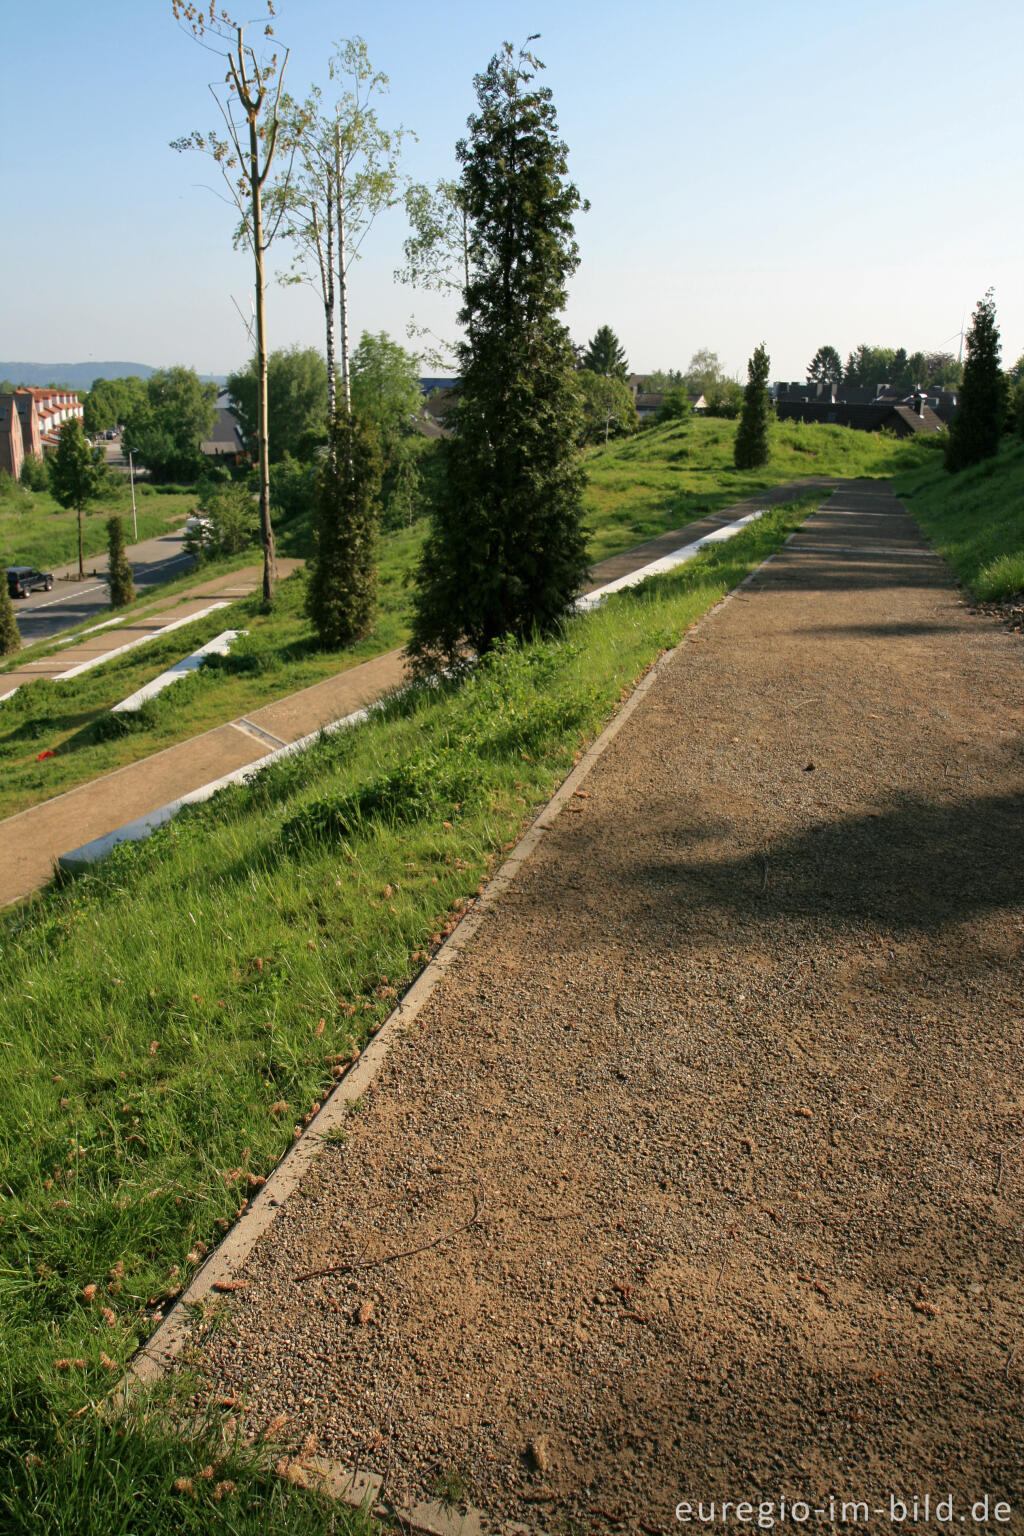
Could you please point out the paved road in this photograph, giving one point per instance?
(45, 614)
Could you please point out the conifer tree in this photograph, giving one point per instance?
(10, 635)
(119, 577)
(976, 428)
(751, 448)
(605, 354)
(506, 552)
(341, 595)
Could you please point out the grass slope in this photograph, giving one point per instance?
(279, 656)
(975, 519)
(175, 1016)
(638, 488)
(35, 530)
(667, 476)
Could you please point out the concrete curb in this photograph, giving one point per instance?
(143, 826)
(667, 563)
(220, 645)
(356, 1486)
(223, 1264)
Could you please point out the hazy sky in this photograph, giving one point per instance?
(798, 173)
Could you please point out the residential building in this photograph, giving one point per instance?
(865, 408)
(12, 446)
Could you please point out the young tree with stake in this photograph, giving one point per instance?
(76, 476)
(251, 109)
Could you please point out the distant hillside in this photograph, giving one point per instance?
(82, 375)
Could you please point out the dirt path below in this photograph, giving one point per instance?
(734, 1077)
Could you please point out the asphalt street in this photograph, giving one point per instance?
(71, 602)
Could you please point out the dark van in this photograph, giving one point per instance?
(22, 579)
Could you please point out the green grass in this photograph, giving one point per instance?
(161, 1009)
(672, 475)
(975, 519)
(639, 487)
(279, 656)
(34, 530)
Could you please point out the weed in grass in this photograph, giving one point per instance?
(1002, 578)
(450, 1487)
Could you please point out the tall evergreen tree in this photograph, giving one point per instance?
(341, 595)
(10, 635)
(506, 552)
(605, 355)
(751, 448)
(119, 572)
(826, 365)
(976, 428)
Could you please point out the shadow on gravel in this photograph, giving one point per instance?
(919, 867)
(836, 572)
(884, 631)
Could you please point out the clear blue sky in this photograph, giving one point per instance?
(797, 172)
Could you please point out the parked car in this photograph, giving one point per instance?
(23, 579)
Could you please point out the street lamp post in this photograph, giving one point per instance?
(131, 481)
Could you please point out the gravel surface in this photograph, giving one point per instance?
(725, 1098)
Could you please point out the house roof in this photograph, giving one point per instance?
(225, 434)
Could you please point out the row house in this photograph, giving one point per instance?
(54, 407)
(30, 420)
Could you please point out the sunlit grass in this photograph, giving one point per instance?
(174, 1016)
(35, 530)
(975, 519)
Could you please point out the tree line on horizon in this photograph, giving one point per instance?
(505, 547)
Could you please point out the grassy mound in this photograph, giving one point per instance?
(975, 519)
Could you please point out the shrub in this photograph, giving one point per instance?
(291, 487)
(126, 722)
(33, 474)
(342, 584)
(120, 577)
(10, 635)
(230, 521)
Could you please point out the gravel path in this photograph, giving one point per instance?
(732, 1081)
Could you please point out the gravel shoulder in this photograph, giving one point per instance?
(722, 1106)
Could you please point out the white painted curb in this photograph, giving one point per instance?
(119, 650)
(666, 563)
(143, 826)
(218, 646)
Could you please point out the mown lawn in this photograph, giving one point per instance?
(174, 1016)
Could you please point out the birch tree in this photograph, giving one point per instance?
(346, 173)
(436, 253)
(249, 99)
